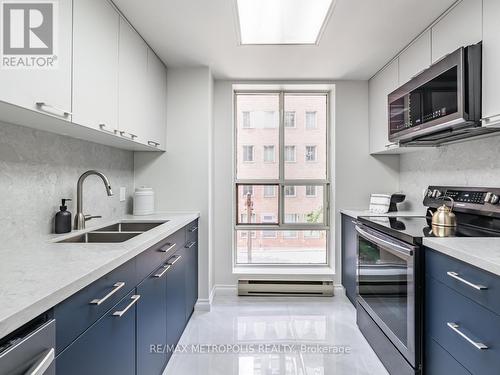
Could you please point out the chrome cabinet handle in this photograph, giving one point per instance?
(43, 363)
(131, 136)
(455, 327)
(153, 143)
(170, 247)
(134, 299)
(103, 128)
(472, 285)
(193, 229)
(177, 258)
(116, 287)
(43, 104)
(166, 267)
(190, 245)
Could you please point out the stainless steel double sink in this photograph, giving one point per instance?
(114, 233)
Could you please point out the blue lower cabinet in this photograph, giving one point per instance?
(191, 252)
(106, 348)
(439, 361)
(151, 323)
(176, 297)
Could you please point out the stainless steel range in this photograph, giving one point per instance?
(390, 270)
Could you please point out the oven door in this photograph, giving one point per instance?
(386, 286)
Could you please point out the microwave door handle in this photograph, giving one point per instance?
(406, 251)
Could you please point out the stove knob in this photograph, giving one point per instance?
(487, 197)
(429, 193)
(494, 199)
(436, 193)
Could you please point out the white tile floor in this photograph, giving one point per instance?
(295, 326)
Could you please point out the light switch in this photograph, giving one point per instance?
(123, 192)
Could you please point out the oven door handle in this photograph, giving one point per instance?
(407, 251)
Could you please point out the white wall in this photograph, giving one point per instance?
(356, 174)
(181, 177)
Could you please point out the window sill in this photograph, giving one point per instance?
(284, 270)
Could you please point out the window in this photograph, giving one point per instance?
(310, 153)
(290, 154)
(269, 191)
(290, 191)
(289, 119)
(289, 202)
(246, 120)
(269, 154)
(248, 154)
(310, 120)
(310, 191)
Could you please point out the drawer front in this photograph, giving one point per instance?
(470, 321)
(438, 266)
(438, 361)
(84, 308)
(192, 231)
(36, 348)
(149, 260)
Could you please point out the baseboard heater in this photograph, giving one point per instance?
(320, 288)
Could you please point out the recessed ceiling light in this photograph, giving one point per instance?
(282, 21)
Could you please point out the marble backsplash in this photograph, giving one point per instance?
(38, 168)
(470, 163)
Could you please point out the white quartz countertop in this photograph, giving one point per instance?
(37, 275)
(357, 213)
(481, 252)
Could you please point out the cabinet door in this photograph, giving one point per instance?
(462, 26)
(108, 347)
(349, 257)
(132, 95)
(491, 57)
(415, 58)
(27, 86)
(151, 323)
(380, 86)
(95, 64)
(156, 125)
(191, 252)
(176, 298)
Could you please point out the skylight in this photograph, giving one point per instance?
(282, 21)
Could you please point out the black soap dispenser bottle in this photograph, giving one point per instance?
(63, 218)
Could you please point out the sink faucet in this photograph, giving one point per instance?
(80, 218)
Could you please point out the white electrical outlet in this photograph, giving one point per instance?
(123, 192)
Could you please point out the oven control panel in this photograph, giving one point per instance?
(483, 200)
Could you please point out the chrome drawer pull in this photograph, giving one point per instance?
(456, 277)
(170, 247)
(117, 286)
(193, 229)
(177, 258)
(134, 299)
(43, 104)
(190, 245)
(131, 136)
(165, 269)
(455, 327)
(41, 366)
(153, 143)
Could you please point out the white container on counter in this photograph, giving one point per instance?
(144, 201)
(379, 203)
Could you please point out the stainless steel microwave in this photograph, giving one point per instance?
(441, 104)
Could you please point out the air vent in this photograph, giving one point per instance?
(319, 288)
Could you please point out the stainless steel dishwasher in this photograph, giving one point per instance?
(30, 351)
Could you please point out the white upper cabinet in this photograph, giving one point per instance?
(133, 96)
(462, 26)
(96, 26)
(415, 58)
(379, 87)
(156, 102)
(491, 59)
(25, 87)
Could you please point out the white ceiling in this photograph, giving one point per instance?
(360, 37)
